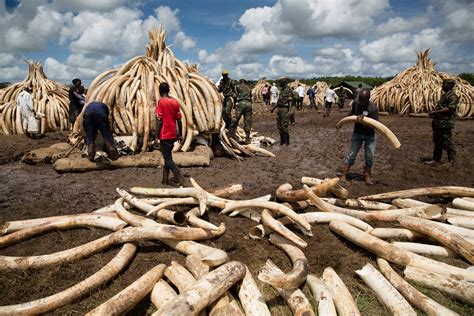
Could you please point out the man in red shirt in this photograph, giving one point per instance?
(168, 116)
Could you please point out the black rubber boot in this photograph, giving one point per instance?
(247, 138)
(287, 138)
(111, 151)
(282, 138)
(166, 176)
(91, 152)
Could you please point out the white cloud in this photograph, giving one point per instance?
(290, 66)
(89, 5)
(184, 41)
(399, 24)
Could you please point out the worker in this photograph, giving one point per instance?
(24, 103)
(243, 108)
(168, 116)
(443, 123)
(301, 92)
(284, 100)
(274, 93)
(362, 134)
(329, 98)
(293, 106)
(227, 88)
(96, 118)
(341, 93)
(74, 101)
(312, 97)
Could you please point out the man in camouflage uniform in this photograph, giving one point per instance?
(227, 87)
(283, 104)
(443, 123)
(243, 108)
(293, 106)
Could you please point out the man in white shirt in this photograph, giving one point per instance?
(274, 92)
(301, 92)
(330, 97)
(24, 103)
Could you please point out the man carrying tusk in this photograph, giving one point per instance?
(362, 107)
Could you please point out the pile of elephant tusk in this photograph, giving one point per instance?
(49, 97)
(257, 96)
(417, 90)
(131, 91)
(210, 282)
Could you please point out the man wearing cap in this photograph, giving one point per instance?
(243, 108)
(284, 100)
(227, 87)
(443, 123)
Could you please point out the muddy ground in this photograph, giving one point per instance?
(316, 150)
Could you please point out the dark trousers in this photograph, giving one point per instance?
(442, 139)
(96, 118)
(74, 111)
(166, 148)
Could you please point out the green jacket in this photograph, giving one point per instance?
(243, 93)
(285, 98)
(227, 87)
(446, 120)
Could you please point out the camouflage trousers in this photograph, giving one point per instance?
(442, 139)
(244, 108)
(291, 114)
(227, 111)
(283, 120)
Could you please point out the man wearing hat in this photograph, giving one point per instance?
(443, 123)
(227, 87)
(283, 104)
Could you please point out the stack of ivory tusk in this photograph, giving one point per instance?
(320, 87)
(49, 97)
(203, 283)
(131, 93)
(418, 89)
(257, 96)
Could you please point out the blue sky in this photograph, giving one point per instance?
(251, 38)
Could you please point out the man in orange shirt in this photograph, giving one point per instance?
(168, 116)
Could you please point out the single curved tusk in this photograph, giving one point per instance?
(396, 255)
(386, 292)
(259, 150)
(13, 226)
(162, 294)
(260, 231)
(46, 304)
(337, 189)
(179, 276)
(343, 300)
(459, 289)
(80, 220)
(196, 266)
(194, 220)
(369, 205)
(384, 130)
(415, 297)
(126, 299)
(451, 240)
(464, 204)
(295, 298)
(424, 249)
(449, 191)
(251, 298)
(276, 226)
(397, 233)
(285, 192)
(324, 218)
(173, 202)
(228, 191)
(177, 192)
(275, 207)
(322, 296)
(206, 290)
(297, 275)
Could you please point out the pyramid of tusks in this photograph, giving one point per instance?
(49, 98)
(418, 89)
(131, 93)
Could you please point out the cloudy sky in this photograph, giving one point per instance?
(251, 38)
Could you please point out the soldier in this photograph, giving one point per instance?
(243, 108)
(443, 123)
(293, 106)
(283, 104)
(227, 87)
